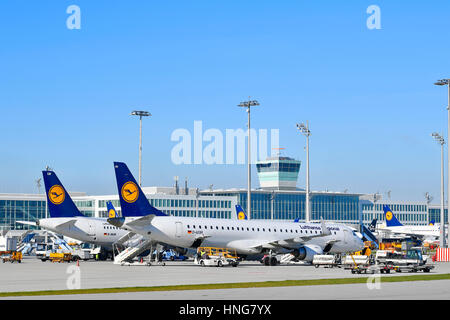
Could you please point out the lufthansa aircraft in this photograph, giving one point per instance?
(303, 240)
(394, 226)
(67, 220)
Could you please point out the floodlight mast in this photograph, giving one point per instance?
(248, 104)
(439, 139)
(140, 114)
(304, 129)
(446, 82)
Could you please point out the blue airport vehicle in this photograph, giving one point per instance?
(172, 255)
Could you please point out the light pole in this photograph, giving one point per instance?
(446, 82)
(272, 200)
(441, 141)
(140, 114)
(248, 104)
(304, 129)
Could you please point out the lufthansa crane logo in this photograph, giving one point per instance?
(56, 194)
(130, 192)
(241, 215)
(389, 215)
(111, 213)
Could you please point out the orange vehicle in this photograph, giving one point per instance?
(13, 256)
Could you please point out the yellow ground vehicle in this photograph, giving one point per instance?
(12, 256)
(211, 256)
(60, 257)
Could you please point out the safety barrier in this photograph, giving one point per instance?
(443, 254)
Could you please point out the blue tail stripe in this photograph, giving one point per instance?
(391, 219)
(240, 213)
(137, 205)
(60, 205)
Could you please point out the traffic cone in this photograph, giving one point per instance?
(142, 260)
(78, 262)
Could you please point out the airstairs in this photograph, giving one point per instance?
(131, 252)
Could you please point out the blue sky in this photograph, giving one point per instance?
(66, 95)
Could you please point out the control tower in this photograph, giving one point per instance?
(278, 173)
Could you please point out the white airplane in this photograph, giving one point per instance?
(303, 240)
(67, 220)
(394, 226)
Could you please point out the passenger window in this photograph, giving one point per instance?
(199, 227)
(248, 229)
(188, 226)
(193, 226)
(223, 228)
(228, 228)
(257, 229)
(232, 228)
(237, 228)
(217, 228)
(264, 230)
(269, 230)
(253, 229)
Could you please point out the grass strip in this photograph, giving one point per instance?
(237, 285)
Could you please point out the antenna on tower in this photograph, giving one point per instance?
(428, 197)
(389, 194)
(38, 185)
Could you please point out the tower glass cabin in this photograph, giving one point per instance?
(278, 173)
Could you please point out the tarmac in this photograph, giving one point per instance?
(34, 275)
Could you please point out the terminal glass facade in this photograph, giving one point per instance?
(435, 214)
(24, 210)
(291, 205)
(408, 214)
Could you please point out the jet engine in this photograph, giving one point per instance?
(307, 252)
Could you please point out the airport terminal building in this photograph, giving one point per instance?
(277, 198)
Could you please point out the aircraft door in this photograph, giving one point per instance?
(92, 231)
(178, 229)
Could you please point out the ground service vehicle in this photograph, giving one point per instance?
(326, 260)
(13, 256)
(172, 255)
(410, 261)
(211, 256)
(60, 257)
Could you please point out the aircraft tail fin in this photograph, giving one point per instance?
(132, 200)
(391, 219)
(60, 204)
(240, 213)
(112, 212)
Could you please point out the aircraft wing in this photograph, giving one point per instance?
(289, 242)
(406, 234)
(30, 223)
(141, 221)
(66, 224)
